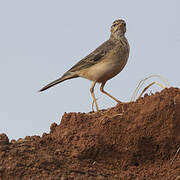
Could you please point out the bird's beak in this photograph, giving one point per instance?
(122, 26)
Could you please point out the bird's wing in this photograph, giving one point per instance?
(95, 57)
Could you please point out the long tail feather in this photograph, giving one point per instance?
(63, 78)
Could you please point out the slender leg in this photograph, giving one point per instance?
(92, 93)
(102, 90)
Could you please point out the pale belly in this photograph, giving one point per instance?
(103, 71)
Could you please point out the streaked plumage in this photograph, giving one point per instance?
(103, 63)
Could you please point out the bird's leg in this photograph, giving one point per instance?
(102, 90)
(92, 93)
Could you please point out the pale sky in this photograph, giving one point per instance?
(41, 39)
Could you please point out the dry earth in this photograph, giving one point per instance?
(139, 144)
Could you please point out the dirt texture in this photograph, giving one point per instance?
(138, 144)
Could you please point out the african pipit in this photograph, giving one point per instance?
(103, 63)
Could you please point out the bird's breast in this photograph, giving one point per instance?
(110, 66)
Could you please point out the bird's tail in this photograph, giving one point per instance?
(63, 78)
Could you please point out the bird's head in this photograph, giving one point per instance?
(118, 28)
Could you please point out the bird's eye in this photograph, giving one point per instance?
(124, 24)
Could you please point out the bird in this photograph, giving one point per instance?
(103, 63)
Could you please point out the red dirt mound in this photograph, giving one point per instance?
(139, 143)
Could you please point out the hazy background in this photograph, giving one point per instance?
(41, 39)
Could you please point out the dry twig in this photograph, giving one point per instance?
(140, 84)
(177, 152)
